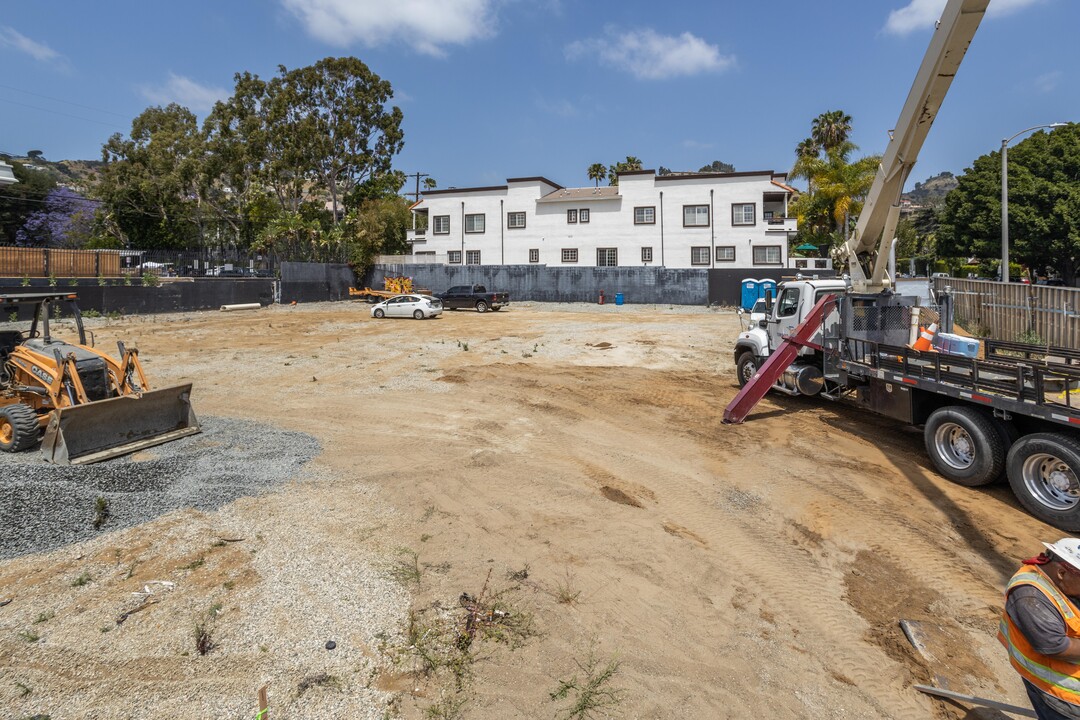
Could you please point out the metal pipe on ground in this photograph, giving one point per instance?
(240, 306)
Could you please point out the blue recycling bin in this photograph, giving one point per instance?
(749, 293)
(618, 298)
(764, 285)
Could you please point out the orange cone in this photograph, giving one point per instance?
(926, 338)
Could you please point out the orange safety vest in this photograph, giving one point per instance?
(1057, 677)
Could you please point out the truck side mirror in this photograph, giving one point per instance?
(768, 301)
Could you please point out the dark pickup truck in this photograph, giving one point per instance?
(473, 296)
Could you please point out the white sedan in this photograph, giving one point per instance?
(415, 306)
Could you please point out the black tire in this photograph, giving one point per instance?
(496, 308)
(1044, 473)
(1009, 434)
(418, 314)
(964, 445)
(745, 367)
(18, 427)
(380, 313)
(481, 306)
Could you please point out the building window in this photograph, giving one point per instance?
(725, 253)
(454, 257)
(440, 225)
(424, 253)
(583, 215)
(696, 216)
(534, 255)
(743, 214)
(767, 214)
(571, 216)
(767, 255)
(569, 255)
(472, 257)
(699, 256)
(645, 216)
(474, 223)
(515, 220)
(646, 254)
(607, 257)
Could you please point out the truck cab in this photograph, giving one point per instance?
(794, 299)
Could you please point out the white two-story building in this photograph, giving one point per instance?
(700, 220)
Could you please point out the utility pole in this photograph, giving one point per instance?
(416, 195)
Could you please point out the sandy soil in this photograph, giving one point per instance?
(564, 467)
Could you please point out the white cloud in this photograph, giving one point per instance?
(650, 56)
(1047, 82)
(186, 92)
(426, 25)
(10, 37)
(919, 14)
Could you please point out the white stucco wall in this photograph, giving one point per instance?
(611, 221)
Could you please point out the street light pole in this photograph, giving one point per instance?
(1005, 195)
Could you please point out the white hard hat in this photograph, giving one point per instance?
(1067, 550)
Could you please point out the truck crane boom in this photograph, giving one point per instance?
(876, 226)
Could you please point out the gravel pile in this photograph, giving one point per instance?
(45, 506)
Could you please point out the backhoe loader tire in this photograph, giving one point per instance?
(745, 367)
(18, 428)
(379, 313)
(481, 306)
(964, 445)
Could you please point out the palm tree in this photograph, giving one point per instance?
(831, 129)
(629, 165)
(597, 172)
(840, 187)
(806, 160)
(430, 184)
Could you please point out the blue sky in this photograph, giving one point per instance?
(492, 89)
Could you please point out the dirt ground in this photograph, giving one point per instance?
(560, 475)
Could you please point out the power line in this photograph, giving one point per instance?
(57, 112)
(66, 102)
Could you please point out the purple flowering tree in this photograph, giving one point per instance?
(65, 221)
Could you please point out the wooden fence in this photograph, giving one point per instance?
(1007, 311)
(18, 262)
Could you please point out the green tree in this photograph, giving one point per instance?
(838, 187)
(152, 183)
(1044, 199)
(430, 184)
(597, 172)
(717, 166)
(340, 108)
(630, 164)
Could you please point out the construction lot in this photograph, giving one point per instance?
(519, 514)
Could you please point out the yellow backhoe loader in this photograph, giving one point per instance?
(90, 406)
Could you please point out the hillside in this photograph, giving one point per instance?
(73, 173)
(933, 190)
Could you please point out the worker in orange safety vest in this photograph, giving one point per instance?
(1041, 629)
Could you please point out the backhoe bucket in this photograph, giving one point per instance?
(96, 431)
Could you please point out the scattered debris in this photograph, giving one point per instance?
(330, 644)
(125, 615)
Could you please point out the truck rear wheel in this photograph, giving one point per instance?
(18, 427)
(1044, 473)
(745, 367)
(964, 445)
(481, 306)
